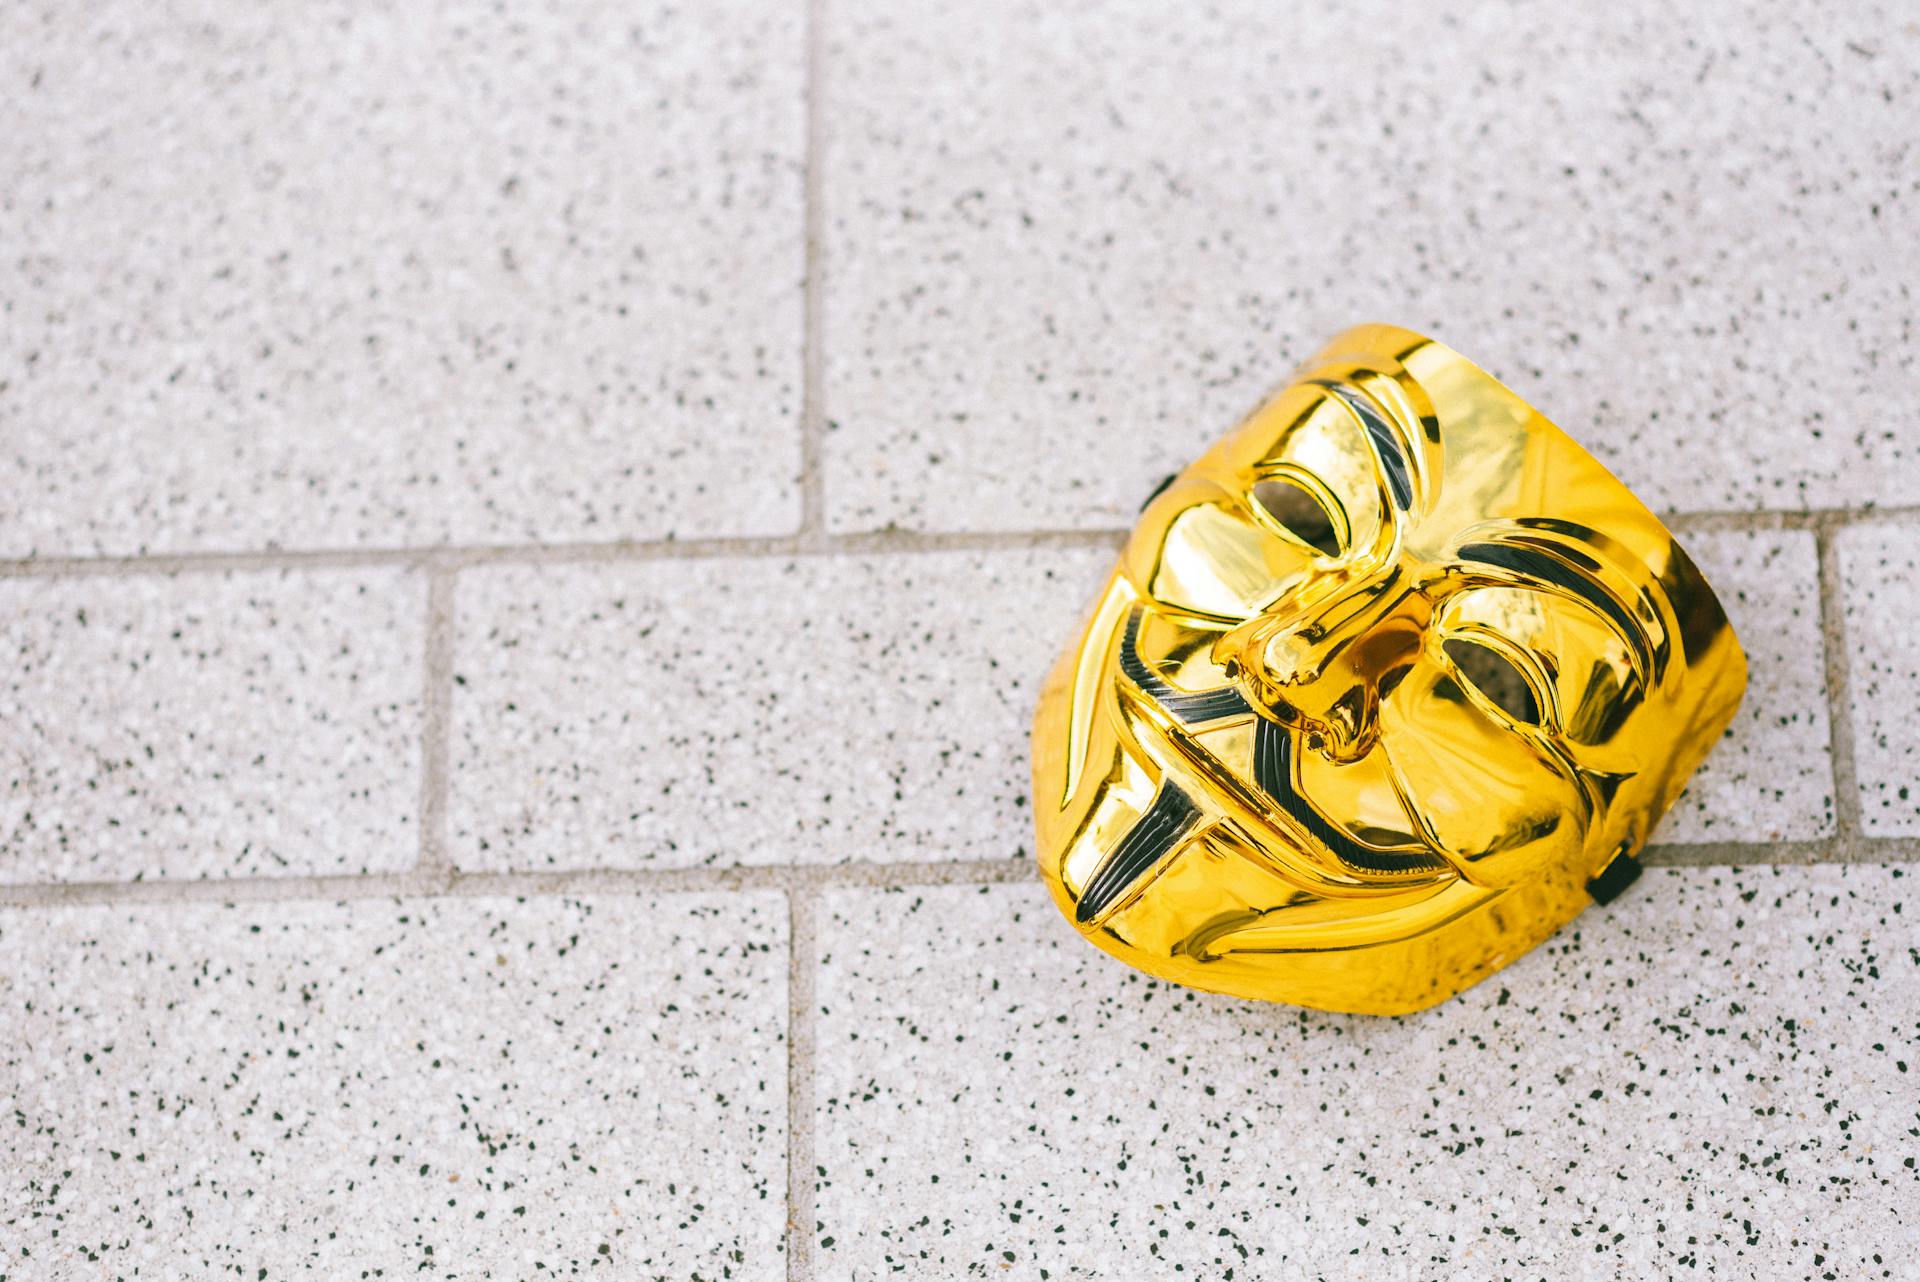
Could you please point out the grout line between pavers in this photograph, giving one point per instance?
(1704, 854)
(1833, 634)
(580, 881)
(786, 877)
(803, 956)
(813, 501)
(436, 723)
(813, 536)
(820, 543)
(469, 556)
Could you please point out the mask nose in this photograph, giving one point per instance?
(1319, 660)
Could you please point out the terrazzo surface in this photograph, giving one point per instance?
(361, 275)
(1771, 776)
(845, 708)
(463, 1088)
(1675, 232)
(222, 725)
(1881, 570)
(529, 538)
(1714, 1079)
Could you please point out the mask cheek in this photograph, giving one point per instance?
(1208, 559)
(1494, 805)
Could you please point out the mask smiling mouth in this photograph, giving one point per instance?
(1173, 814)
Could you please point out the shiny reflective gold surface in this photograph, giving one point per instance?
(1387, 685)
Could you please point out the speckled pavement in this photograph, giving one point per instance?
(529, 536)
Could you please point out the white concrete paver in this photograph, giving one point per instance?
(210, 725)
(755, 711)
(340, 275)
(1714, 1075)
(479, 1088)
(1771, 776)
(1880, 583)
(1070, 245)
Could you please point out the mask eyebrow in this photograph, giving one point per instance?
(1536, 564)
(1385, 442)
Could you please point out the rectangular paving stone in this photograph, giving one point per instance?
(339, 275)
(1069, 246)
(210, 725)
(755, 710)
(1880, 574)
(1771, 776)
(478, 1088)
(1714, 1078)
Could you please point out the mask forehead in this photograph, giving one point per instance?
(1417, 448)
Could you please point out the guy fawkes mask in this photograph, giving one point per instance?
(1387, 685)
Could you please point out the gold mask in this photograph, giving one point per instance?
(1386, 686)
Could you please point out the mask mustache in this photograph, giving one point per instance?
(1172, 815)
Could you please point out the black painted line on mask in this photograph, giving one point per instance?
(1190, 709)
(1171, 816)
(1386, 441)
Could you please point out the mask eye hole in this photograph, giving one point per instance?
(1495, 676)
(1299, 513)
